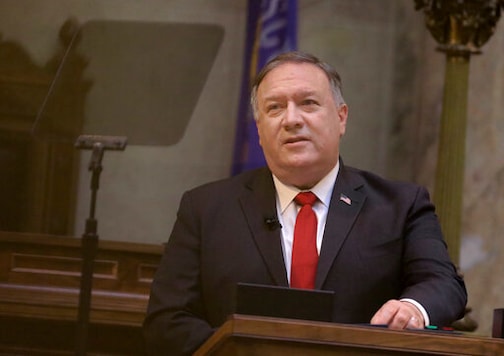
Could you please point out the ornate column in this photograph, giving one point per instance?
(460, 27)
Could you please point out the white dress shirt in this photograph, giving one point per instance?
(287, 211)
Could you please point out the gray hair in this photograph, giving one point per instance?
(297, 57)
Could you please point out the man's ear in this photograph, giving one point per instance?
(258, 131)
(343, 115)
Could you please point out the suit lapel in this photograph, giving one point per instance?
(259, 203)
(346, 203)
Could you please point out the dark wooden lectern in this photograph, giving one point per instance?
(249, 335)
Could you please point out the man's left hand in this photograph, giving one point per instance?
(399, 315)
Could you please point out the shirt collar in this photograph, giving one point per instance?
(323, 189)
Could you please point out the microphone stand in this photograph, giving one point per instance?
(89, 242)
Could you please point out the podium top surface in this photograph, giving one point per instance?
(271, 335)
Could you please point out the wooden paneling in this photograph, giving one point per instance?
(39, 293)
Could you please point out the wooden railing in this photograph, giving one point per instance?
(39, 293)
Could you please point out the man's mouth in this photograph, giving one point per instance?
(295, 139)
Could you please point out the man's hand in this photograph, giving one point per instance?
(399, 315)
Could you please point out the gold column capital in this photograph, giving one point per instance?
(461, 27)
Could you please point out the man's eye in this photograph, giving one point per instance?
(309, 102)
(273, 107)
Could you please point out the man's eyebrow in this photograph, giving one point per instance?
(273, 97)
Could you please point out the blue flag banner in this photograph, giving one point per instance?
(271, 30)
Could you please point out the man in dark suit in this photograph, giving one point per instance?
(378, 243)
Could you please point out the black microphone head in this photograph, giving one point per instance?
(272, 223)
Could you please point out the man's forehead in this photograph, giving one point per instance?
(294, 67)
(306, 77)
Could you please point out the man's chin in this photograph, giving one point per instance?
(298, 163)
(298, 166)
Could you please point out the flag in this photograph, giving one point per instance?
(345, 199)
(271, 30)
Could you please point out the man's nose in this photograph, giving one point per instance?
(292, 117)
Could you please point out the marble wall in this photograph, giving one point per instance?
(482, 247)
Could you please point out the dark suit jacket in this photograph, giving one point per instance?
(387, 244)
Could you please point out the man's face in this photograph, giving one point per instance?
(299, 123)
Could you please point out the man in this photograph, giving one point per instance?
(378, 243)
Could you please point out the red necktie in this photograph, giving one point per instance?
(304, 249)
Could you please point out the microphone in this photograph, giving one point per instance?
(98, 144)
(272, 223)
(89, 142)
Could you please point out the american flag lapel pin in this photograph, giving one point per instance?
(345, 199)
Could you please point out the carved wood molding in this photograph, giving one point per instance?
(40, 277)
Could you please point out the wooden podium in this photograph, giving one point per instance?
(250, 335)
